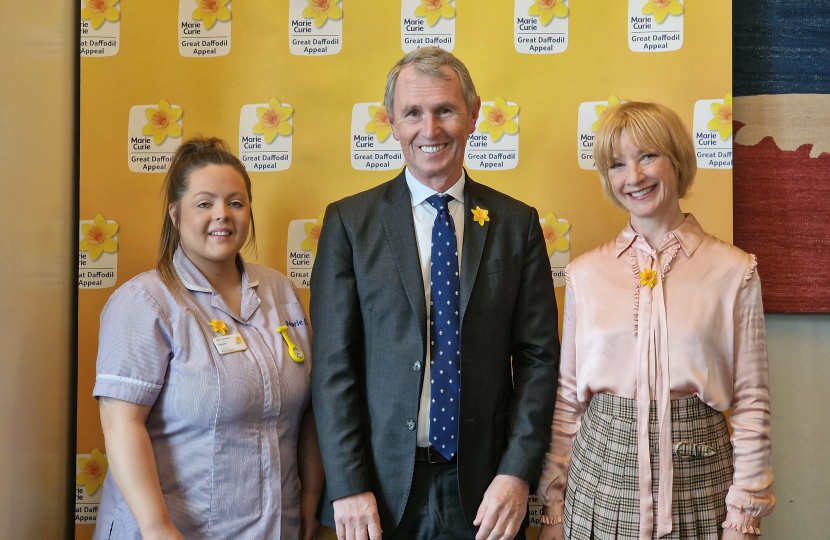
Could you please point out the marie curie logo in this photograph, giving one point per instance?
(655, 25)
(427, 23)
(540, 26)
(494, 145)
(373, 148)
(266, 136)
(713, 133)
(590, 116)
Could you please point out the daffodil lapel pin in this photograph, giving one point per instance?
(480, 215)
(219, 326)
(648, 277)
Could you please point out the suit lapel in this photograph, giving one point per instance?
(475, 236)
(400, 231)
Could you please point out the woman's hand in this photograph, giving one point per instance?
(167, 531)
(309, 526)
(732, 534)
(553, 532)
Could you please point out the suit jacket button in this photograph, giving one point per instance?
(411, 425)
(416, 366)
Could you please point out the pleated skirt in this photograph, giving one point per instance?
(602, 500)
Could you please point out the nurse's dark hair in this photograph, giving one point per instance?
(194, 154)
(651, 127)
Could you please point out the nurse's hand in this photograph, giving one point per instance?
(309, 527)
(356, 517)
(552, 532)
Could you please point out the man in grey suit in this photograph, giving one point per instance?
(423, 291)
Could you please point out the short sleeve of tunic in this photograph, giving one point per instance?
(133, 346)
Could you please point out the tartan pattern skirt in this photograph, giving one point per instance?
(602, 500)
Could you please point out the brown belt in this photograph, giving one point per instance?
(430, 455)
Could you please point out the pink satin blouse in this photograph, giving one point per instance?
(698, 330)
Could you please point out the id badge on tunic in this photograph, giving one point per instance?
(230, 343)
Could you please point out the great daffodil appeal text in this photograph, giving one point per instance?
(93, 471)
(98, 237)
(662, 8)
(322, 10)
(434, 10)
(379, 123)
(96, 11)
(554, 232)
(498, 119)
(312, 231)
(273, 120)
(161, 122)
(722, 122)
(602, 110)
(548, 9)
(210, 11)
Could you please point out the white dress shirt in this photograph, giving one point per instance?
(424, 216)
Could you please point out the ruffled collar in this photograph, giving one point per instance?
(689, 234)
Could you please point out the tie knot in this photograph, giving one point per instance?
(440, 201)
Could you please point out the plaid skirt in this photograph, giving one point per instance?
(602, 500)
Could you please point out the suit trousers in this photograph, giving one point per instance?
(433, 510)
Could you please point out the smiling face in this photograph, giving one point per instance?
(215, 216)
(643, 181)
(431, 121)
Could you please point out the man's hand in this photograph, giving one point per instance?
(356, 517)
(552, 532)
(502, 509)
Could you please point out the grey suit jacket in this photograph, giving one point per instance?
(369, 319)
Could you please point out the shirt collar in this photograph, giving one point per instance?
(194, 280)
(689, 233)
(420, 192)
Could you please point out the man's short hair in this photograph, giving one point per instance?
(430, 61)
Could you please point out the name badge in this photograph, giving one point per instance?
(230, 343)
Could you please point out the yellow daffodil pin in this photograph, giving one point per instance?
(219, 326)
(93, 471)
(96, 11)
(648, 277)
(722, 122)
(480, 215)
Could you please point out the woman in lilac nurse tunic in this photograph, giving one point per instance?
(228, 422)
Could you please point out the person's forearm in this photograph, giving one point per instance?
(309, 461)
(133, 466)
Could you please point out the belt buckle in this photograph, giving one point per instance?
(690, 450)
(430, 450)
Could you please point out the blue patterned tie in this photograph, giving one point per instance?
(445, 338)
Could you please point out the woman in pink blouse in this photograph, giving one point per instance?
(663, 332)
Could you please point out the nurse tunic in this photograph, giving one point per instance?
(223, 428)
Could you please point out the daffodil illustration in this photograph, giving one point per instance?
(98, 237)
(554, 232)
(211, 10)
(662, 8)
(273, 120)
(379, 123)
(648, 277)
(161, 122)
(548, 9)
(312, 231)
(218, 326)
(480, 215)
(498, 119)
(96, 11)
(722, 121)
(602, 110)
(434, 10)
(93, 471)
(322, 10)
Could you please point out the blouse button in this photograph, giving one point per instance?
(410, 424)
(416, 366)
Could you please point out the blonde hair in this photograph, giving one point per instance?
(194, 154)
(430, 61)
(651, 127)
